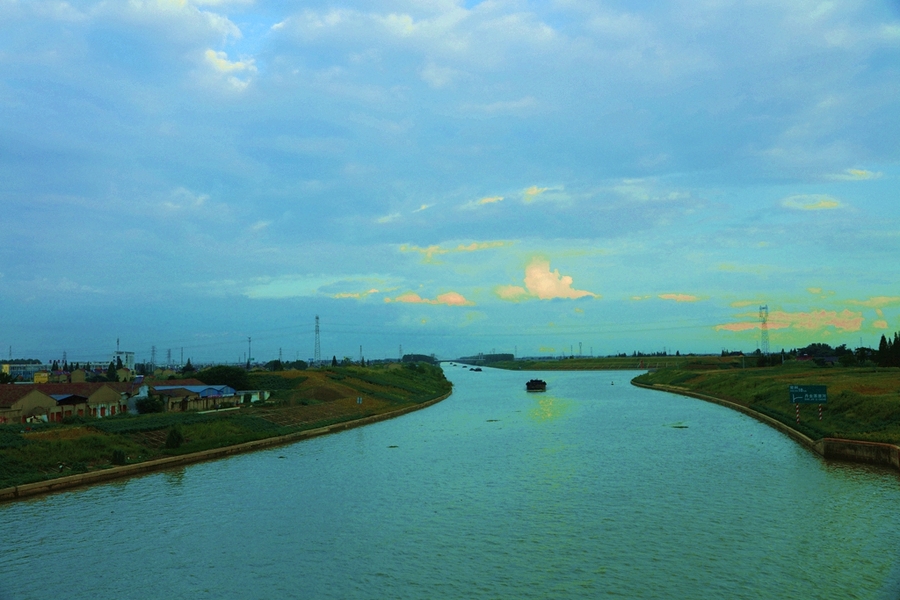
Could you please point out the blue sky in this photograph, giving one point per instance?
(452, 177)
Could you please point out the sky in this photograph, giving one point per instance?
(449, 177)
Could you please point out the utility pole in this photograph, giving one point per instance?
(764, 329)
(317, 352)
(249, 352)
(152, 358)
(401, 352)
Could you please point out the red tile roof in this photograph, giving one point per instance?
(11, 393)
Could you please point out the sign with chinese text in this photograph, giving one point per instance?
(808, 394)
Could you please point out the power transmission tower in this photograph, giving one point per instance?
(317, 352)
(152, 358)
(764, 329)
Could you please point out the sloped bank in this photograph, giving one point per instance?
(70, 481)
(874, 453)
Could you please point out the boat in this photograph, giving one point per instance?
(476, 369)
(536, 385)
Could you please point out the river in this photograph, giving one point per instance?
(593, 488)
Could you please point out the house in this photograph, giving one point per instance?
(249, 396)
(103, 399)
(142, 387)
(21, 403)
(194, 397)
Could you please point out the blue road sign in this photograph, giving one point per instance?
(808, 394)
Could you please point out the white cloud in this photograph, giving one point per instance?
(811, 202)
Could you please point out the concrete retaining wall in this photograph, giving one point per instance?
(830, 448)
(61, 483)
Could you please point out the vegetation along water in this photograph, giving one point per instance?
(300, 401)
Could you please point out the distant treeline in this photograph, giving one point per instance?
(889, 351)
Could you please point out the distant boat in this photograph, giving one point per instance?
(536, 385)
(476, 369)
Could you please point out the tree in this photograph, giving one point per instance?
(334, 361)
(55, 366)
(188, 368)
(148, 405)
(119, 364)
(5, 378)
(235, 377)
(111, 374)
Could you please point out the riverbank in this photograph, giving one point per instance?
(306, 404)
(616, 363)
(81, 479)
(860, 422)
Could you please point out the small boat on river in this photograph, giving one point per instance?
(536, 385)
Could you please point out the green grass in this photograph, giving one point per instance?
(863, 403)
(41, 451)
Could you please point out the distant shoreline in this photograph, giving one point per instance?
(48, 486)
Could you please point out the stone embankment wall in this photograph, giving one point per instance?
(61, 483)
(831, 448)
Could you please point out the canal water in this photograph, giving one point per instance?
(593, 488)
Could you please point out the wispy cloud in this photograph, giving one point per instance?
(877, 301)
(743, 303)
(388, 218)
(679, 297)
(854, 175)
(533, 192)
(482, 202)
(543, 284)
(430, 252)
(816, 320)
(355, 295)
(448, 299)
(811, 202)
(220, 64)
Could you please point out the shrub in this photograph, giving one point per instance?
(118, 457)
(149, 405)
(175, 438)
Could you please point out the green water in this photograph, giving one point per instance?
(592, 489)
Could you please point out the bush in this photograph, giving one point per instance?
(175, 438)
(118, 457)
(149, 405)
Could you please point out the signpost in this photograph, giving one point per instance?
(808, 394)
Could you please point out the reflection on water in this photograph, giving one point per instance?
(587, 491)
(548, 407)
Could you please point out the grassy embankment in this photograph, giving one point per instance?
(863, 403)
(301, 400)
(583, 363)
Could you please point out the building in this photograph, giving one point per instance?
(127, 359)
(23, 403)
